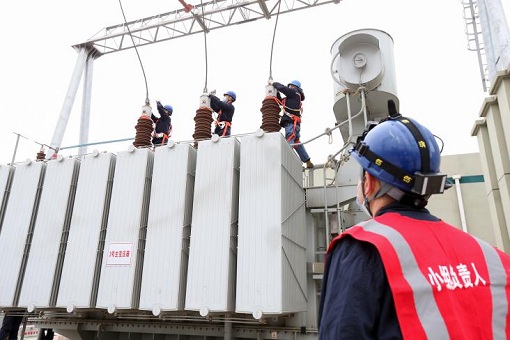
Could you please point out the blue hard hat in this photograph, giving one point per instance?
(295, 83)
(169, 108)
(393, 151)
(231, 94)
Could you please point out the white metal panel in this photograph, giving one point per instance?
(5, 187)
(168, 229)
(18, 221)
(43, 267)
(80, 272)
(119, 284)
(271, 262)
(213, 243)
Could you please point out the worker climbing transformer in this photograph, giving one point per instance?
(291, 111)
(163, 124)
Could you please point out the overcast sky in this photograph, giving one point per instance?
(438, 79)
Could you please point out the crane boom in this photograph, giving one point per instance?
(182, 22)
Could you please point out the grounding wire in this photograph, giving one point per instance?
(272, 43)
(139, 59)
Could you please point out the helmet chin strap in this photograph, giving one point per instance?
(385, 189)
(366, 200)
(391, 191)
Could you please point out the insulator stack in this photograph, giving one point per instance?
(270, 115)
(143, 132)
(40, 155)
(203, 120)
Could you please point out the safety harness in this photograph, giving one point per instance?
(295, 118)
(225, 124)
(165, 137)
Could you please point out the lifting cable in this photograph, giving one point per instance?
(144, 126)
(147, 102)
(203, 117)
(270, 105)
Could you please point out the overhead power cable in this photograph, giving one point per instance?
(205, 48)
(147, 101)
(272, 43)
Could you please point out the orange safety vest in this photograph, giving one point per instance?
(446, 284)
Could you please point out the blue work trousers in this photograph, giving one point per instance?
(10, 327)
(300, 149)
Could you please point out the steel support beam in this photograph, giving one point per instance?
(202, 18)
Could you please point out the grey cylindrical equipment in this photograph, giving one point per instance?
(363, 59)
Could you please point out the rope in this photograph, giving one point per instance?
(328, 132)
(272, 43)
(139, 59)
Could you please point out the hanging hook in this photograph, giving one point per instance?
(330, 135)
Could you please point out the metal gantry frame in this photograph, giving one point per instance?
(179, 23)
(204, 17)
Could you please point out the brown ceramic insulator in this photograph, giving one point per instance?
(143, 132)
(40, 156)
(270, 115)
(203, 120)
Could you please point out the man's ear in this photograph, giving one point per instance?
(372, 185)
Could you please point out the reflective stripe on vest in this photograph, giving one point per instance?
(500, 289)
(431, 306)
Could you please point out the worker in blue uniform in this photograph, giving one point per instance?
(163, 128)
(290, 120)
(225, 110)
(404, 273)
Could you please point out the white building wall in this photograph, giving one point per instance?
(492, 131)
